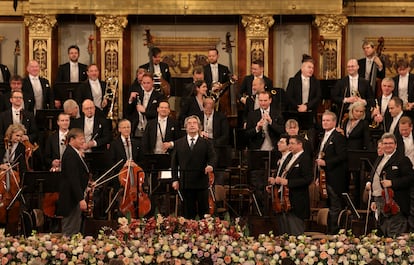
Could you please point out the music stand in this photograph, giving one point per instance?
(41, 181)
(356, 157)
(64, 91)
(350, 205)
(305, 119)
(46, 119)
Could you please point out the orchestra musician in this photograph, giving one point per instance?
(93, 89)
(380, 114)
(142, 106)
(257, 71)
(391, 171)
(395, 107)
(136, 84)
(125, 147)
(333, 159)
(404, 84)
(252, 102)
(161, 69)
(292, 128)
(72, 71)
(405, 138)
(198, 74)
(56, 143)
(371, 61)
(16, 84)
(17, 115)
(303, 92)
(4, 74)
(36, 90)
(213, 71)
(73, 184)
(71, 107)
(96, 128)
(13, 151)
(193, 157)
(263, 130)
(215, 124)
(160, 133)
(297, 176)
(193, 105)
(351, 88)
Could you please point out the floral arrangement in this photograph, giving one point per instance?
(175, 240)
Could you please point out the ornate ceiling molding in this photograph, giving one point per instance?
(330, 24)
(257, 26)
(111, 25)
(40, 24)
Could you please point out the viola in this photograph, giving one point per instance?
(390, 205)
(281, 202)
(9, 186)
(211, 197)
(30, 148)
(90, 189)
(132, 178)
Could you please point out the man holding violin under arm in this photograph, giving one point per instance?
(391, 178)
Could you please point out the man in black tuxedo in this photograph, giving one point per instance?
(257, 71)
(380, 113)
(73, 183)
(96, 128)
(187, 90)
(193, 157)
(142, 106)
(303, 92)
(404, 84)
(161, 132)
(350, 89)
(36, 90)
(93, 89)
(264, 125)
(161, 69)
(395, 107)
(213, 71)
(4, 74)
(333, 159)
(16, 84)
(263, 129)
(371, 61)
(56, 143)
(297, 176)
(16, 114)
(72, 71)
(215, 124)
(405, 138)
(393, 171)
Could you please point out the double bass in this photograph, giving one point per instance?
(160, 84)
(132, 178)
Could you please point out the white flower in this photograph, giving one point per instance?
(4, 251)
(111, 254)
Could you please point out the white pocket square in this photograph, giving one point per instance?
(297, 165)
(394, 167)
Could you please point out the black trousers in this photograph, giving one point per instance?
(195, 202)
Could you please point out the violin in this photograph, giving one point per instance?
(211, 197)
(390, 205)
(323, 191)
(132, 178)
(9, 187)
(281, 202)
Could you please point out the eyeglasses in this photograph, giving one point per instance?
(17, 97)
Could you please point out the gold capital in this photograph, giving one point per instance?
(257, 26)
(40, 24)
(330, 24)
(111, 25)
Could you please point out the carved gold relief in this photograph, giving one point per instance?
(40, 24)
(111, 25)
(257, 26)
(183, 54)
(330, 24)
(111, 58)
(40, 55)
(257, 50)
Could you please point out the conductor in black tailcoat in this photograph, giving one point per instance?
(193, 157)
(73, 183)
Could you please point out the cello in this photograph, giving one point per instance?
(131, 178)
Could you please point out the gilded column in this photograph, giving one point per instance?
(111, 29)
(329, 44)
(257, 38)
(40, 41)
